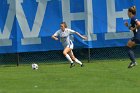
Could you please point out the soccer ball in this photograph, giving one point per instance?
(34, 66)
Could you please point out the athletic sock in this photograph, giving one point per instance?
(77, 61)
(131, 55)
(68, 57)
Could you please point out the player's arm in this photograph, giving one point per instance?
(136, 27)
(74, 32)
(138, 24)
(83, 37)
(133, 28)
(54, 36)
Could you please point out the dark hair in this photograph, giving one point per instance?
(132, 10)
(65, 25)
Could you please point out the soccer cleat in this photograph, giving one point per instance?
(135, 63)
(82, 65)
(72, 65)
(132, 64)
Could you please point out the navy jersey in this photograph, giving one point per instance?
(133, 24)
(136, 32)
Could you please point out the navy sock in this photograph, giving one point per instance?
(131, 55)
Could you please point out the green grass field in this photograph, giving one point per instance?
(100, 76)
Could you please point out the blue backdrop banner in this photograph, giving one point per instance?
(27, 25)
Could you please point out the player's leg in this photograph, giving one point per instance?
(131, 54)
(65, 53)
(74, 58)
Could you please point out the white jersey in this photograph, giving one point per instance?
(65, 36)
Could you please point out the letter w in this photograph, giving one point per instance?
(5, 34)
(31, 36)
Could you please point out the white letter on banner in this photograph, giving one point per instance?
(87, 16)
(111, 20)
(5, 34)
(31, 36)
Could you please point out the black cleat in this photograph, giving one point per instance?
(82, 65)
(132, 64)
(72, 65)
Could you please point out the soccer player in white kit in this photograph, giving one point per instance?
(65, 38)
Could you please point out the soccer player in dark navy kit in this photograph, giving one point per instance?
(135, 27)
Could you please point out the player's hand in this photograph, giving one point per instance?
(85, 38)
(126, 23)
(55, 38)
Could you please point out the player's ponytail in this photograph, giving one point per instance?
(132, 10)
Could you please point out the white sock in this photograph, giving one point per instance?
(68, 57)
(77, 61)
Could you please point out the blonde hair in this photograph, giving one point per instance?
(132, 10)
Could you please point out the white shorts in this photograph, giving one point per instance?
(69, 45)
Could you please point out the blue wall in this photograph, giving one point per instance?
(27, 25)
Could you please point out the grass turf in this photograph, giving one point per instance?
(101, 76)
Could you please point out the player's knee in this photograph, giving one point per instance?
(64, 53)
(130, 44)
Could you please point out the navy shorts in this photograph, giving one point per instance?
(137, 41)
